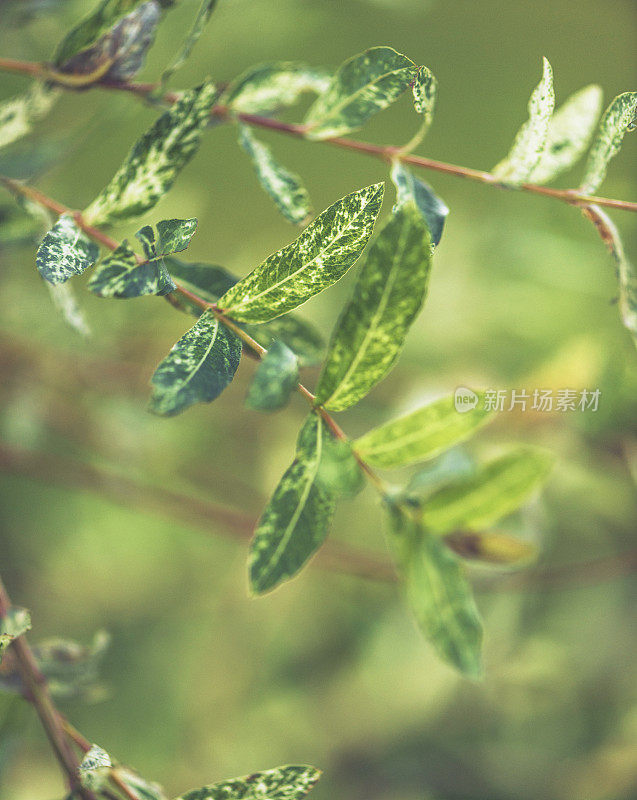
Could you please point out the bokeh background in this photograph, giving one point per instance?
(202, 682)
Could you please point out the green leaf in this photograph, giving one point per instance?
(297, 518)
(421, 435)
(65, 251)
(570, 132)
(531, 139)
(153, 164)
(438, 593)
(283, 186)
(268, 87)
(15, 622)
(119, 275)
(282, 783)
(95, 769)
(197, 369)
(275, 379)
(497, 489)
(174, 235)
(491, 548)
(139, 787)
(17, 114)
(203, 15)
(424, 90)
(72, 669)
(319, 257)
(339, 472)
(364, 85)
(451, 465)
(388, 295)
(619, 117)
(433, 209)
(65, 301)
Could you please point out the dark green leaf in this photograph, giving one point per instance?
(282, 783)
(174, 235)
(203, 15)
(14, 623)
(267, 87)
(17, 114)
(119, 275)
(65, 251)
(275, 379)
(432, 208)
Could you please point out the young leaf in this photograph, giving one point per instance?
(119, 275)
(497, 489)
(530, 140)
(432, 208)
(174, 235)
(438, 593)
(490, 548)
(153, 164)
(268, 87)
(283, 186)
(364, 85)
(570, 131)
(14, 623)
(321, 255)
(72, 669)
(297, 518)
(275, 379)
(421, 435)
(203, 15)
(388, 295)
(95, 769)
(17, 114)
(619, 117)
(197, 369)
(282, 783)
(65, 251)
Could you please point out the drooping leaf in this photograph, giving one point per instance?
(95, 769)
(531, 139)
(267, 87)
(490, 548)
(283, 186)
(17, 114)
(321, 255)
(364, 85)
(197, 369)
(282, 783)
(153, 164)
(65, 301)
(570, 131)
(120, 275)
(438, 593)
(421, 435)
(65, 251)
(297, 518)
(275, 379)
(388, 295)
(13, 624)
(619, 117)
(497, 489)
(201, 19)
(433, 209)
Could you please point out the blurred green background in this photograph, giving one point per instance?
(202, 681)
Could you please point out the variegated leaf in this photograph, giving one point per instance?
(424, 89)
(65, 251)
(388, 295)
(321, 255)
(203, 15)
(283, 186)
(364, 85)
(17, 114)
(95, 769)
(153, 164)
(282, 783)
(71, 668)
(267, 87)
(14, 623)
(275, 379)
(120, 275)
(197, 369)
(65, 301)
(433, 209)
(531, 139)
(174, 235)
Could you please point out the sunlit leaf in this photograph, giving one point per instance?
(203, 15)
(13, 624)
(17, 114)
(433, 209)
(65, 251)
(267, 87)
(491, 548)
(282, 783)
(275, 379)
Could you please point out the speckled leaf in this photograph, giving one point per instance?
(153, 164)
(619, 117)
(491, 548)
(497, 489)
(424, 89)
(197, 369)
(95, 769)
(423, 434)
(17, 114)
(282, 783)
(119, 275)
(275, 379)
(364, 85)
(388, 295)
(297, 518)
(174, 235)
(15, 622)
(283, 186)
(65, 251)
(70, 668)
(267, 87)
(432, 208)
(438, 593)
(319, 257)
(203, 15)
(531, 139)
(570, 132)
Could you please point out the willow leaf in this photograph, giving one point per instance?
(153, 164)
(14, 623)
(438, 594)
(490, 548)
(497, 489)
(282, 783)
(197, 369)
(17, 114)
(297, 518)
(201, 19)
(119, 275)
(619, 117)
(283, 186)
(339, 471)
(174, 235)
(65, 251)
(275, 379)
(570, 132)
(364, 85)
(424, 89)
(65, 301)
(423, 434)
(388, 295)
(531, 139)
(71, 668)
(433, 209)
(321, 255)
(268, 87)
(95, 769)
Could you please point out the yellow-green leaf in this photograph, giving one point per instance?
(14, 623)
